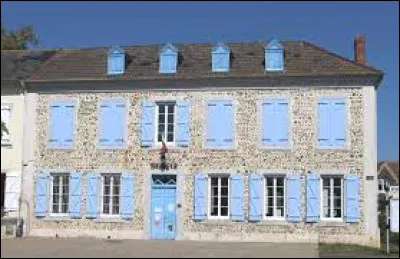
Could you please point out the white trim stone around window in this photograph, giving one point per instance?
(110, 195)
(218, 197)
(165, 122)
(6, 117)
(275, 197)
(332, 198)
(59, 187)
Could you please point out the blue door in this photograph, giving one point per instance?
(163, 207)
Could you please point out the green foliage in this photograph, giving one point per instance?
(18, 39)
(3, 129)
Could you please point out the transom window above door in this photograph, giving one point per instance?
(165, 130)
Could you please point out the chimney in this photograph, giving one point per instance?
(359, 49)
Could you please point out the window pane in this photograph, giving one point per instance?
(106, 209)
(116, 190)
(106, 190)
(161, 129)
(56, 180)
(170, 118)
(161, 108)
(171, 108)
(280, 192)
(106, 199)
(270, 201)
(65, 189)
(337, 192)
(214, 202)
(326, 201)
(224, 202)
(170, 137)
(337, 182)
(338, 203)
(117, 180)
(224, 191)
(270, 182)
(279, 212)
(55, 207)
(65, 199)
(224, 181)
(337, 213)
(171, 128)
(327, 213)
(214, 181)
(270, 192)
(280, 181)
(270, 212)
(214, 211)
(279, 202)
(115, 209)
(107, 180)
(214, 191)
(56, 189)
(64, 208)
(56, 198)
(65, 180)
(161, 118)
(224, 211)
(115, 200)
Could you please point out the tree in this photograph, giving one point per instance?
(3, 129)
(18, 39)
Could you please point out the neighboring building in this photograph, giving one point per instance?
(266, 141)
(15, 67)
(388, 175)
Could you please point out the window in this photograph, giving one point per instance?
(60, 193)
(332, 197)
(111, 194)
(275, 197)
(220, 58)
(274, 60)
(219, 197)
(5, 118)
(168, 59)
(165, 129)
(331, 122)
(116, 61)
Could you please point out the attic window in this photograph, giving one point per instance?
(116, 61)
(168, 59)
(220, 58)
(274, 60)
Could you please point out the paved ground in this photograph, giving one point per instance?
(46, 248)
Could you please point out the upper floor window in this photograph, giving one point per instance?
(168, 59)
(274, 56)
(331, 123)
(220, 58)
(165, 130)
(116, 61)
(112, 123)
(62, 124)
(5, 118)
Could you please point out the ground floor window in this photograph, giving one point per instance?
(218, 196)
(275, 197)
(60, 193)
(332, 197)
(111, 184)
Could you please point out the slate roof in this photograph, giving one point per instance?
(247, 61)
(20, 64)
(391, 167)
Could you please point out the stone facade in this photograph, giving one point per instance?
(247, 156)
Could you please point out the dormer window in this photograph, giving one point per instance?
(116, 61)
(220, 58)
(274, 60)
(168, 59)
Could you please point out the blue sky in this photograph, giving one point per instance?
(333, 25)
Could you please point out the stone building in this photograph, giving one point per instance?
(259, 141)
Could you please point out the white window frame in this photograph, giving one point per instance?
(331, 190)
(7, 141)
(274, 177)
(219, 197)
(59, 214)
(166, 103)
(110, 215)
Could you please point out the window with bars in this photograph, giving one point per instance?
(332, 197)
(219, 197)
(165, 122)
(275, 197)
(60, 193)
(111, 194)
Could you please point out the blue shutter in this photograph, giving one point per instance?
(338, 122)
(226, 124)
(183, 121)
(268, 120)
(281, 123)
(127, 190)
(324, 123)
(147, 124)
(62, 121)
(92, 209)
(237, 197)
(351, 191)
(255, 197)
(75, 195)
(200, 196)
(312, 213)
(112, 123)
(293, 198)
(213, 120)
(41, 195)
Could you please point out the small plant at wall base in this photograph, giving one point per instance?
(3, 129)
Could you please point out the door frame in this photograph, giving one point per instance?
(180, 187)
